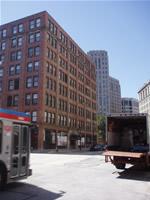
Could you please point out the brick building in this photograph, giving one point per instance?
(45, 73)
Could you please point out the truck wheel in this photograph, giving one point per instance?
(120, 165)
(2, 178)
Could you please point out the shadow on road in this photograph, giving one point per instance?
(135, 174)
(23, 191)
(72, 152)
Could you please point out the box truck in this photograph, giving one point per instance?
(128, 140)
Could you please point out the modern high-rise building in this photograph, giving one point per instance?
(115, 95)
(144, 98)
(45, 73)
(130, 105)
(100, 58)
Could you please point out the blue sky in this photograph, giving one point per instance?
(120, 27)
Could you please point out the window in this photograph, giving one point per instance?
(31, 38)
(38, 22)
(32, 24)
(34, 37)
(37, 36)
(37, 51)
(1, 72)
(16, 84)
(1, 131)
(14, 70)
(2, 58)
(13, 56)
(14, 42)
(4, 33)
(14, 30)
(29, 82)
(35, 81)
(34, 98)
(27, 99)
(34, 116)
(20, 41)
(16, 55)
(35, 23)
(36, 65)
(33, 51)
(15, 100)
(17, 69)
(11, 70)
(11, 85)
(3, 46)
(19, 55)
(30, 52)
(29, 67)
(20, 28)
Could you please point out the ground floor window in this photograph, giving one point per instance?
(49, 139)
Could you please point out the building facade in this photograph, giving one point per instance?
(115, 95)
(144, 98)
(130, 105)
(100, 58)
(45, 73)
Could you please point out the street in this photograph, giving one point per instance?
(78, 176)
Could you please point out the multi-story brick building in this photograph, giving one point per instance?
(45, 73)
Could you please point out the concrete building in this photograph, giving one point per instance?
(130, 105)
(100, 58)
(45, 73)
(144, 98)
(115, 95)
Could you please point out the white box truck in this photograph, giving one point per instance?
(128, 140)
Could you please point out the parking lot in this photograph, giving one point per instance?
(78, 176)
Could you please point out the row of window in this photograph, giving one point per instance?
(62, 104)
(33, 51)
(49, 117)
(51, 69)
(33, 66)
(36, 23)
(34, 37)
(50, 84)
(16, 69)
(29, 99)
(30, 82)
(63, 76)
(73, 83)
(50, 100)
(52, 41)
(17, 55)
(72, 108)
(51, 55)
(63, 90)
(18, 41)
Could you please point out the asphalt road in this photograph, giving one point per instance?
(78, 177)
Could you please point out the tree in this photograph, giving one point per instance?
(101, 127)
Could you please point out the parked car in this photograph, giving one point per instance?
(97, 147)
